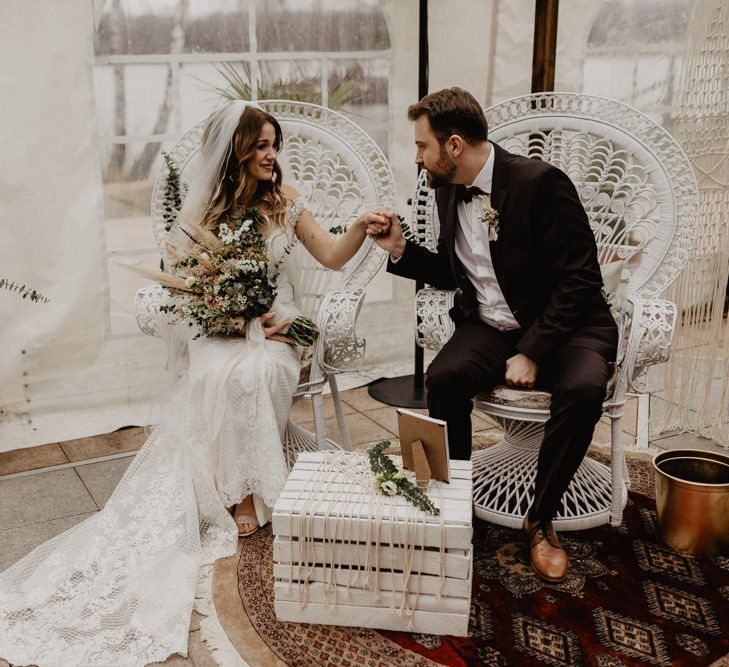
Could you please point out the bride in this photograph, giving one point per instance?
(119, 588)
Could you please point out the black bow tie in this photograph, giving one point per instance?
(465, 194)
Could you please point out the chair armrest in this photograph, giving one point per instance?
(154, 322)
(339, 349)
(651, 337)
(435, 325)
(147, 304)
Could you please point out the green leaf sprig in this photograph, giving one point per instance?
(172, 198)
(24, 291)
(391, 481)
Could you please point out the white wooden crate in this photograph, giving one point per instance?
(340, 530)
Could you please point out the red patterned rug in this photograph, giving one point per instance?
(627, 601)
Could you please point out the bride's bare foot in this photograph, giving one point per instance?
(245, 517)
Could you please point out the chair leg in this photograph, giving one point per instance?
(288, 444)
(346, 442)
(642, 428)
(320, 426)
(618, 470)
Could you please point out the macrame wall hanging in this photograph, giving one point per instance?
(696, 378)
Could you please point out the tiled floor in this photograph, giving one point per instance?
(36, 504)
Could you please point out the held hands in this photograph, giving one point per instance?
(271, 331)
(384, 227)
(387, 231)
(521, 371)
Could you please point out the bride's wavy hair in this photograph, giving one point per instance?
(236, 189)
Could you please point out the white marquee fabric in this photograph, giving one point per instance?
(61, 374)
(66, 370)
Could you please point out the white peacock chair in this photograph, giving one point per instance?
(341, 172)
(641, 198)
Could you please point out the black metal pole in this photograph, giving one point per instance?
(408, 391)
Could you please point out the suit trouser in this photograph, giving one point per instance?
(474, 360)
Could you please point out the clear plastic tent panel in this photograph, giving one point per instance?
(632, 51)
(162, 66)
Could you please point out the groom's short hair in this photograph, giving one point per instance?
(452, 111)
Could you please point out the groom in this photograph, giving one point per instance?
(516, 244)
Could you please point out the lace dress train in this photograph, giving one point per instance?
(119, 588)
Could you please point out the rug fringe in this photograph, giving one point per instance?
(211, 632)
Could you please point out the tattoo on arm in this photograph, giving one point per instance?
(307, 237)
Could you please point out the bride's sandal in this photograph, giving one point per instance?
(242, 520)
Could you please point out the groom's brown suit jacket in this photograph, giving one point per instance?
(545, 259)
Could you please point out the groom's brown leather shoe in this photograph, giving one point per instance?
(549, 559)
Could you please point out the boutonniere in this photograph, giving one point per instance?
(489, 216)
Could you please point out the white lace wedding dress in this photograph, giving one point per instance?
(119, 588)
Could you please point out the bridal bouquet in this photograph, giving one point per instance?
(226, 279)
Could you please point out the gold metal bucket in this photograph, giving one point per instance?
(692, 500)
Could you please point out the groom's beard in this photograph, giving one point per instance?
(443, 171)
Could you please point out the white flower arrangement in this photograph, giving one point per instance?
(489, 216)
(386, 485)
(232, 237)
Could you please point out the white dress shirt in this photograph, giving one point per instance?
(472, 248)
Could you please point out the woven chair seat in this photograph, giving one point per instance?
(531, 399)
